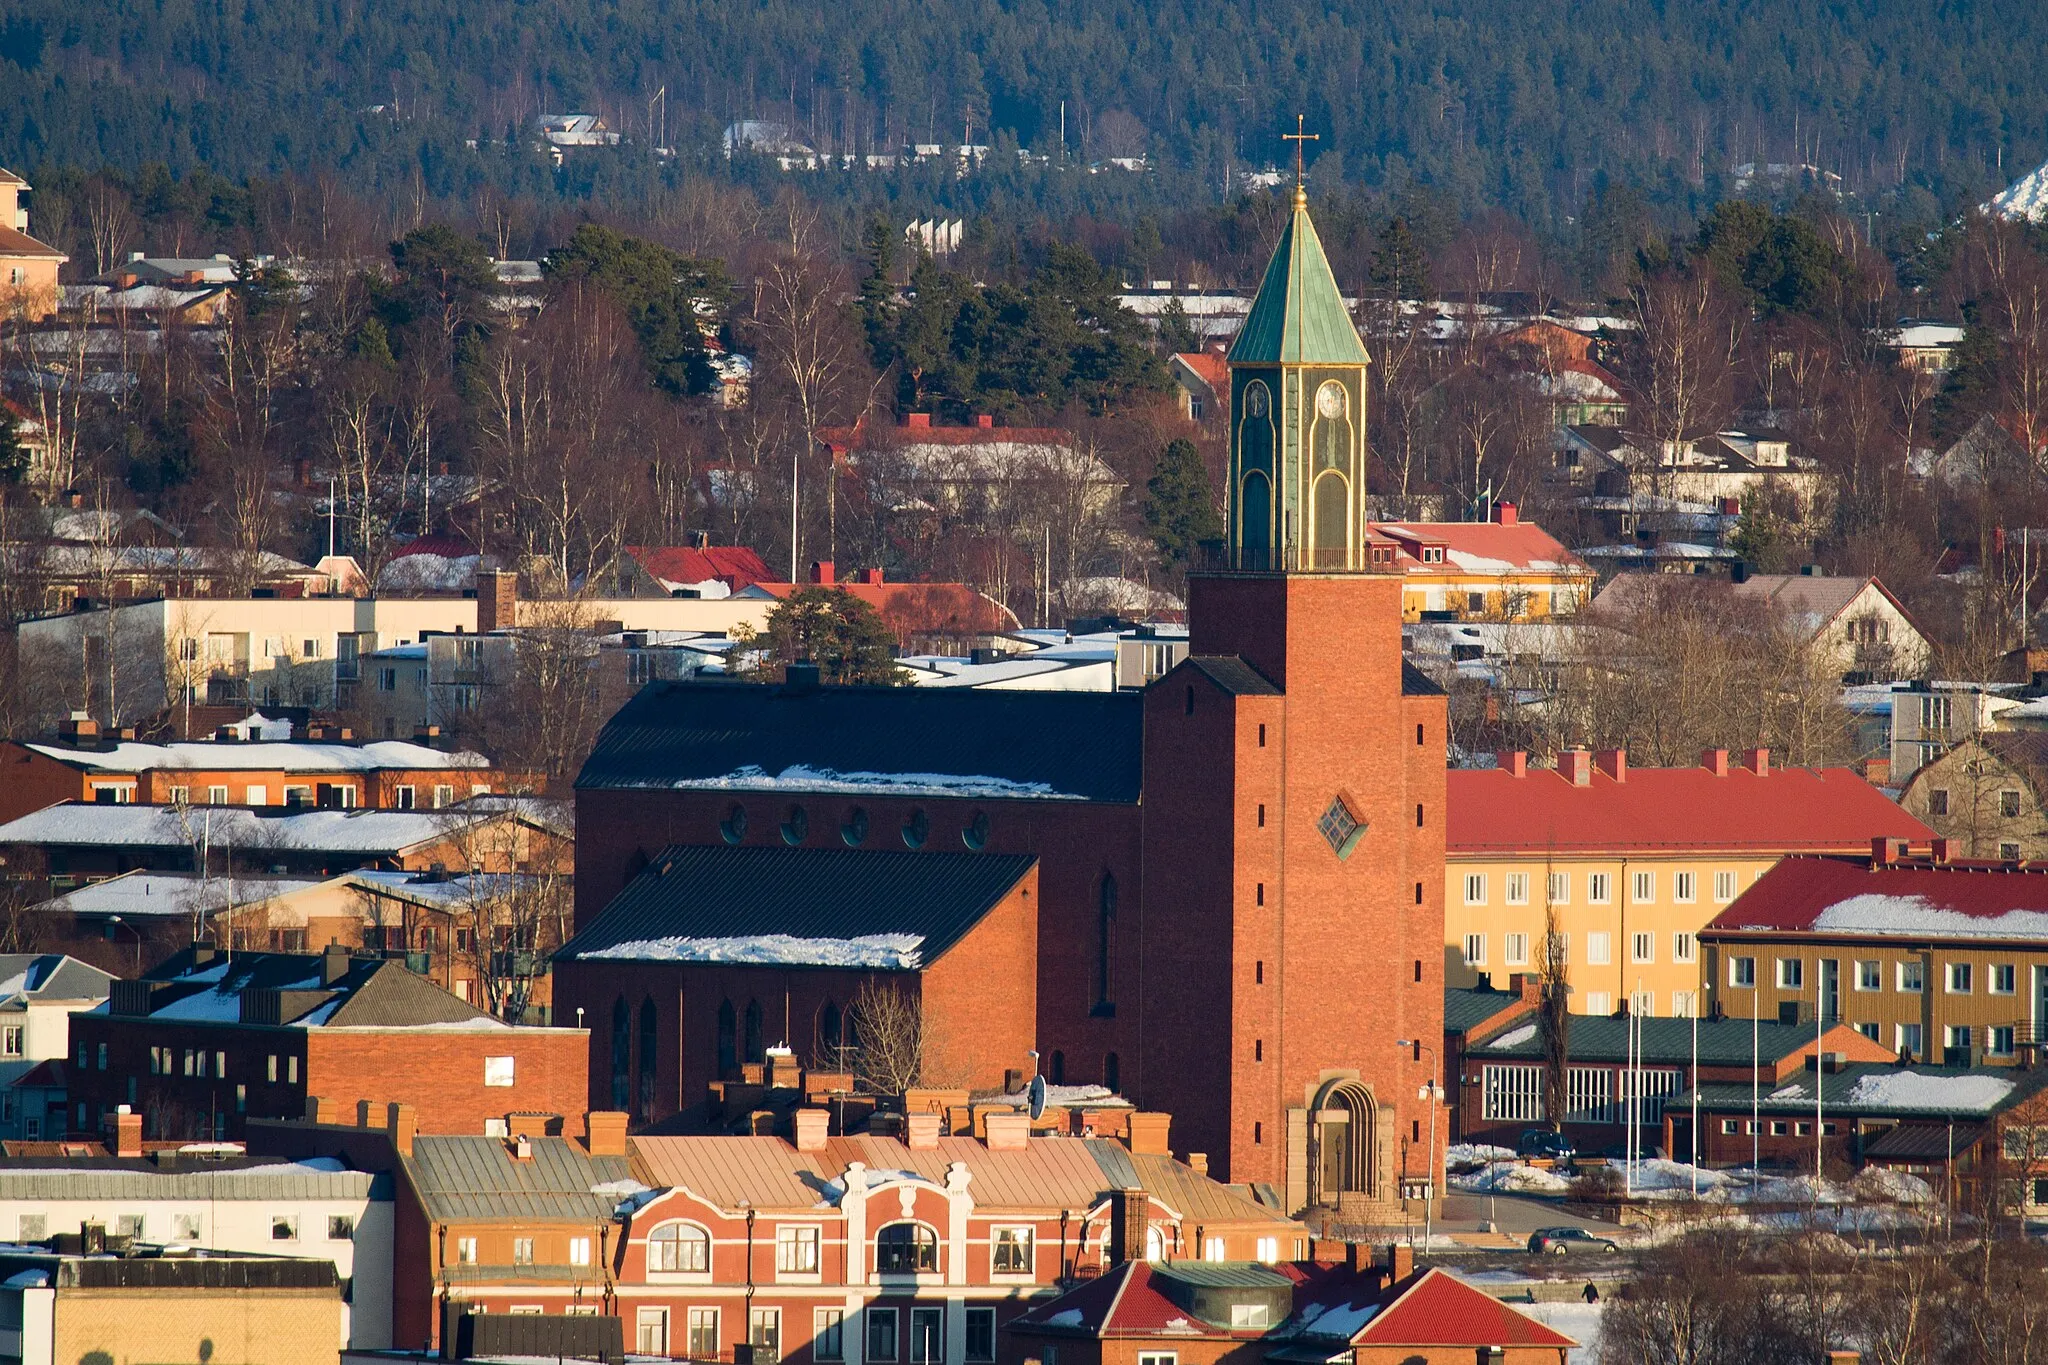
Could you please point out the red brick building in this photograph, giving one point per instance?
(1239, 870)
(209, 1041)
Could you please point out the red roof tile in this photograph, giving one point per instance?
(1439, 1309)
(1792, 810)
(1484, 546)
(921, 608)
(1209, 367)
(736, 566)
(1920, 900)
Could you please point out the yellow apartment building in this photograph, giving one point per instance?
(1628, 866)
(1506, 569)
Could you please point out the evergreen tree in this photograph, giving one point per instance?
(658, 290)
(1176, 333)
(1180, 504)
(13, 456)
(1400, 267)
(830, 627)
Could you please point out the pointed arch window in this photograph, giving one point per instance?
(649, 1031)
(830, 1032)
(622, 1054)
(756, 1051)
(728, 1044)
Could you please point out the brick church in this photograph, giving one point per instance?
(1220, 896)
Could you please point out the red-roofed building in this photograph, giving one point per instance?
(924, 617)
(1943, 959)
(1203, 378)
(690, 570)
(1631, 862)
(1504, 569)
(1220, 1313)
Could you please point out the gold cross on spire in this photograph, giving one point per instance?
(1298, 138)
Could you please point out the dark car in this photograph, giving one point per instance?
(1544, 1144)
(1565, 1241)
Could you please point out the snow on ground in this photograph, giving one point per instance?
(1509, 1178)
(2026, 197)
(1475, 1154)
(1579, 1321)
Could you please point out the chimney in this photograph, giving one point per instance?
(1529, 986)
(333, 964)
(497, 600)
(1506, 513)
(984, 420)
(1357, 1257)
(1881, 853)
(1738, 572)
(813, 1126)
(1715, 761)
(799, 678)
(1009, 1132)
(921, 1132)
(402, 1121)
(917, 421)
(1129, 1208)
(522, 1148)
(74, 498)
(1147, 1136)
(1577, 767)
(127, 1132)
(1757, 761)
(320, 1110)
(1613, 762)
(1198, 1162)
(1400, 1261)
(1938, 850)
(364, 1110)
(1513, 762)
(79, 726)
(873, 577)
(604, 1132)
(821, 572)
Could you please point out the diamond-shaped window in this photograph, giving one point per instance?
(1341, 827)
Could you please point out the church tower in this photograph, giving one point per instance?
(1294, 801)
(1297, 416)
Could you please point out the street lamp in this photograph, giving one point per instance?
(116, 922)
(1434, 1093)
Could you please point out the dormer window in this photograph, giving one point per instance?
(1432, 554)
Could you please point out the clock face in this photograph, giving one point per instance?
(1330, 400)
(1255, 400)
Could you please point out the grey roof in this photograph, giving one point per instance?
(1794, 1095)
(1224, 1274)
(1416, 683)
(477, 1179)
(1233, 675)
(1663, 1042)
(52, 976)
(84, 824)
(31, 1178)
(368, 993)
(820, 894)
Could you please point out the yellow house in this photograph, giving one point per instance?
(1627, 866)
(1500, 570)
(28, 268)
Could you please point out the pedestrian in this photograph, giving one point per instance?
(1592, 1294)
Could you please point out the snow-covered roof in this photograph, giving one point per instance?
(131, 756)
(143, 895)
(875, 952)
(81, 824)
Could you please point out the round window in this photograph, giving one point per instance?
(917, 827)
(855, 830)
(734, 826)
(975, 836)
(795, 825)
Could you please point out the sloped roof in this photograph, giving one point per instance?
(1470, 1007)
(995, 744)
(1889, 1090)
(52, 976)
(1791, 810)
(1481, 547)
(295, 756)
(736, 566)
(1233, 675)
(1208, 367)
(916, 608)
(796, 907)
(1726, 1041)
(1436, 1308)
(1921, 900)
(85, 824)
(369, 993)
(1299, 315)
(139, 895)
(469, 1179)
(19, 244)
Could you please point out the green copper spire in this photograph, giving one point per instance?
(1299, 317)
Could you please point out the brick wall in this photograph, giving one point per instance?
(441, 1073)
(245, 1326)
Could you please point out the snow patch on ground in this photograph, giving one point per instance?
(1509, 1178)
(1475, 1154)
(2026, 197)
(901, 952)
(1579, 1321)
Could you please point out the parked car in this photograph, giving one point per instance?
(1565, 1241)
(1544, 1144)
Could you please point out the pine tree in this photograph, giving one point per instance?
(1400, 267)
(830, 627)
(1180, 504)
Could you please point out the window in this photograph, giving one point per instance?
(497, 1071)
(1684, 947)
(1213, 1249)
(181, 796)
(981, 1335)
(1642, 948)
(1683, 888)
(1517, 890)
(1011, 1254)
(1907, 1037)
(1268, 1250)
(1599, 888)
(522, 1251)
(185, 1227)
(650, 1331)
(284, 1227)
(1475, 950)
(465, 1250)
(216, 796)
(1791, 973)
(1869, 976)
(1937, 801)
(1475, 888)
(917, 827)
(1956, 1036)
(341, 1227)
(1163, 1357)
(2008, 853)
(2002, 978)
(796, 1250)
(10, 1040)
(1998, 1040)
(1599, 949)
(881, 1334)
(298, 796)
(1340, 828)
(1724, 887)
(444, 795)
(927, 1335)
(1559, 885)
(1728, 1127)
(2009, 805)
(1742, 973)
(403, 798)
(1599, 1002)
(828, 1334)
(1512, 1093)
(704, 1333)
(1684, 1004)
(906, 1248)
(1644, 890)
(1515, 949)
(1244, 1315)
(256, 796)
(1960, 976)
(678, 1248)
(1912, 976)
(129, 1225)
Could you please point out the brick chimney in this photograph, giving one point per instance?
(321, 1110)
(127, 1132)
(872, 577)
(1147, 1135)
(984, 420)
(1513, 762)
(1715, 761)
(1129, 1219)
(1400, 1260)
(921, 1132)
(813, 1126)
(402, 1121)
(1198, 1162)
(1757, 761)
(917, 421)
(79, 726)
(822, 572)
(1577, 767)
(367, 1113)
(1613, 762)
(1506, 513)
(1937, 850)
(1004, 1132)
(604, 1132)
(1882, 853)
(497, 600)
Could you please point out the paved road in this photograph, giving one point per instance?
(1515, 1214)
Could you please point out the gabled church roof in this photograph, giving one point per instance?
(1299, 317)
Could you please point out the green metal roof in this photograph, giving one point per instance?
(1223, 1274)
(1299, 317)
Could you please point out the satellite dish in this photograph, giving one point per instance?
(1036, 1095)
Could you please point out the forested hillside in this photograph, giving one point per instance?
(1519, 104)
